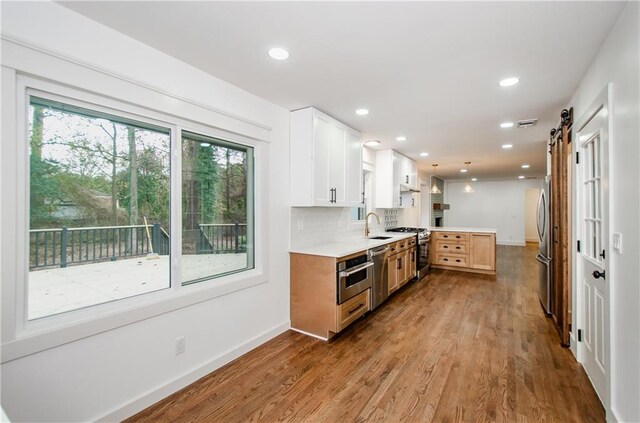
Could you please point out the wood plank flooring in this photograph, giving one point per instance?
(454, 347)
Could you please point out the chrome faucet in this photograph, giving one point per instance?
(366, 223)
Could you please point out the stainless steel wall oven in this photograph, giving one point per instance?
(354, 275)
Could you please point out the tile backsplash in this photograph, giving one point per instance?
(315, 225)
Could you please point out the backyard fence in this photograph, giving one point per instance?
(64, 246)
(60, 247)
(222, 238)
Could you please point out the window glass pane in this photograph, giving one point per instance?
(217, 208)
(98, 208)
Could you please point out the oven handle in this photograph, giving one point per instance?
(349, 272)
(423, 242)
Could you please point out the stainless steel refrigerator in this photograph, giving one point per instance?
(544, 247)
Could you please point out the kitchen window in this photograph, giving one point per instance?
(359, 213)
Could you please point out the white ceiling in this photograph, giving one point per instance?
(428, 71)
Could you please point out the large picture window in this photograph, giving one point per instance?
(99, 189)
(100, 209)
(217, 208)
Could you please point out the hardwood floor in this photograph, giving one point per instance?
(454, 347)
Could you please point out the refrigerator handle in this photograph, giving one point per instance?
(541, 208)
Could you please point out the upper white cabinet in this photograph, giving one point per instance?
(325, 162)
(396, 180)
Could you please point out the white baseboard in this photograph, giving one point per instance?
(611, 416)
(151, 397)
(514, 243)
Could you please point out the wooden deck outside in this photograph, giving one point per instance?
(53, 291)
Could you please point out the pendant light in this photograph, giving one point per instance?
(468, 189)
(434, 188)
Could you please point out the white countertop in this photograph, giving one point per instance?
(456, 229)
(350, 245)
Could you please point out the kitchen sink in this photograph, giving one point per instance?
(379, 237)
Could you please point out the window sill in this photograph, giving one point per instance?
(69, 327)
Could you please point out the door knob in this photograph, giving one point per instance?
(598, 275)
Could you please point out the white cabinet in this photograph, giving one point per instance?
(396, 180)
(325, 161)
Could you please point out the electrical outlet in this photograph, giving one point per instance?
(181, 344)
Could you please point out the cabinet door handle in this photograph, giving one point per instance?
(363, 198)
(358, 307)
(399, 264)
(400, 200)
(406, 178)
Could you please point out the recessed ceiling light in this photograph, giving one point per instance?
(278, 53)
(424, 154)
(506, 124)
(372, 143)
(362, 112)
(521, 177)
(525, 166)
(508, 82)
(463, 170)
(506, 146)
(474, 179)
(401, 138)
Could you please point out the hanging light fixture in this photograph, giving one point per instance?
(434, 188)
(468, 188)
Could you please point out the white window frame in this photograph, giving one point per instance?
(22, 337)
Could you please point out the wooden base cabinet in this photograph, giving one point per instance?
(314, 298)
(464, 251)
(482, 251)
(402, 264)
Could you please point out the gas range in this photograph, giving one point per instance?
(420, 232)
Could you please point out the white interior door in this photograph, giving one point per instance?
(592, 269)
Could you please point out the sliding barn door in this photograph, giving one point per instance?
(560, 148)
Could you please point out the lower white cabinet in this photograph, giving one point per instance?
(325, 161)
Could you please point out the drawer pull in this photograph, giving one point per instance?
(446, 259)
(457, 236)
(458, 261)
(445, 236)
(457, 248)
(446, 246)
(358, 307)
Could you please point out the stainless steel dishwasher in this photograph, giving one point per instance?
(380, 283)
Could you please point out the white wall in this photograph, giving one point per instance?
(498, 205)
(118, 372)
(618, 62)
(530, 213)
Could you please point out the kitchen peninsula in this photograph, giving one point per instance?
(464, 249)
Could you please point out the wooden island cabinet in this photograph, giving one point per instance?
(465, 250)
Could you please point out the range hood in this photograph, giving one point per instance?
(440, 206)
(407, 188)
